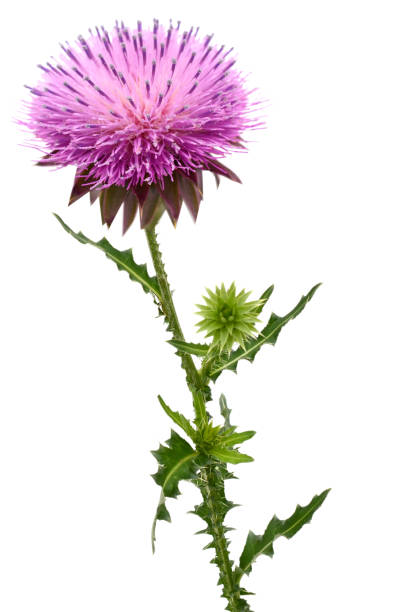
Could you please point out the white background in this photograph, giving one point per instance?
(324, 198)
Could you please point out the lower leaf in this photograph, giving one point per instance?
(263, 545)
(176, 463)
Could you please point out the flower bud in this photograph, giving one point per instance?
(228, 317)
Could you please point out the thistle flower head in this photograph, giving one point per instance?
(141, 113)
(228, 317)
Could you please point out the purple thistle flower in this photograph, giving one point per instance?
(141, 114)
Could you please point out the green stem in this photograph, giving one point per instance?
(169, 310)
(211, 480)
(212, 490)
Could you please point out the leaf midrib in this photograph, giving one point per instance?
(175, 468)
(254, 346)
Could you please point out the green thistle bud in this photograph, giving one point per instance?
(228, 317)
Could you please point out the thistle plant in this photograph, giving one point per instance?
(142, 114)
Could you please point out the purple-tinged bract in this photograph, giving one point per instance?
(141, 113)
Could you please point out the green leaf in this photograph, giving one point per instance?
(123, 259)
(230, 456)
(263, 545)
(190, 348)
(176, 463)
(265, 297)
(225, 412)
(178, 418)
(237, 438)
(230, 437)
(268, 335)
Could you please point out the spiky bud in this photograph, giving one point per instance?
(228, 317)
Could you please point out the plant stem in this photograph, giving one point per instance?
(169, 310)
(215, 508)
(211, 480)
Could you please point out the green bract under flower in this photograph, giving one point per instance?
(228, 317)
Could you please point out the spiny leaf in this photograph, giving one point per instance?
(263, 545)
(230, 456)
(190, 348)
(123, 259)
(176, 463)
(268, 335)
(178, 418)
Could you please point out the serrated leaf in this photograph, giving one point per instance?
(268, 335)
(123, 259)
(263, 545)
(230, 456)
(190, 347)
(176, 463)
(178, 418)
